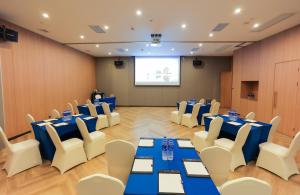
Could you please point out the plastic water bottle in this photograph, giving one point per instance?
(170, 149)
(164, 149)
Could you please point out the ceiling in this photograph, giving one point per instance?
(129, 34)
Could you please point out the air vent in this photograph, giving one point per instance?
(243, 44)
(121, 50)
(195, 49)
(96, 28)
(220, 27)
(223, 48)
(273, 21)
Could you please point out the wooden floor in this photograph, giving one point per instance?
(136, 122)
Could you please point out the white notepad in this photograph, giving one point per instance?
(226, 115)
(88, 118)
(77, 114)
(195, 168)
(142, 165)
(84, 106)
(43, 124)
(255, 124)
(146, 142)
(234, 123)
(170, 183)
(185, 144)
(48, 120)
(249, 120)
(211, 117)
(60, 124)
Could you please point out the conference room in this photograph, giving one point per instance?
(132, 97)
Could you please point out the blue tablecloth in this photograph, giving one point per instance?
(111, 100)
(83, 109)
(256, 136)
(65, 132)
(148, 183)
(204, 108)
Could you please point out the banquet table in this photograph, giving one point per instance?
(65, 132)
(256, 136)
(147, 183)
(109, 100)
(204, 108)
(84, 109)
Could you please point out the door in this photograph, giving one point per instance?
(285, 95)
(226, 89)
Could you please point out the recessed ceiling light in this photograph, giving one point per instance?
(97, 45)
(211, 34)
(106, 27)
(172, 49)
(138, 12)
(237, 11)
(200, 44)
(256, 25)
(126, 49)
(82, 36)
(45, 15)
(183, 26)
(109, 53)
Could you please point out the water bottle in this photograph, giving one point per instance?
(170, 150)
(164, 149)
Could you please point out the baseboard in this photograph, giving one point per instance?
(19, 135)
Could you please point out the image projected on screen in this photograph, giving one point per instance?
(162, 71)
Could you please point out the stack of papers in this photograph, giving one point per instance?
(195, 168)
(77, 114)
(249, 120)
(146, 143)
(142, 165)
(182, 143)
(170, 183)
(255, 124)
(88, 118)
(48, 120)
(234, 123)
(44, 124)
(60, 124)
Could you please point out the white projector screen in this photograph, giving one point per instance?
(161, 71)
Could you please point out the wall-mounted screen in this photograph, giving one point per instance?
(160, 71)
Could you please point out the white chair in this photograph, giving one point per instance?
(21, 156)
(30, 119)
(275, 124)
(202, 101)
(98, 184)
(246, 186)
(176, 115)
(190, 119)
(113, 117)
(88, 101)
(250, 116)
(94, 143)
(213, 101)
(214, 110)
(212, 157)
(111, 95)
(70, 107)
(278, 159)
(119, 155)
(236, 146)
(68, 154)
(102, 120)
(203, 139)
(75, 107)
(55, 114)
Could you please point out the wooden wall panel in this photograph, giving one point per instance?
(40, 74)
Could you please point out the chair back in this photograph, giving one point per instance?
(246, 186)
(75, 103)
(202, 101)
(294, 146)
(70, 107)
(214, 128)
(88, 101)
(195, 110)
(275, 124)
(209, 156)
(55, 114)
(30, 119)
(106, 109)
(241, 136)
(54, 137)
(100, 184)
(93, 110)
(119, 155)
(213, 101)
(83, 130)
(4, 140)
(250, 116)
(182, 107)
(215, 108)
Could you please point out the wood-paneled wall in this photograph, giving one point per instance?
(257, 62)
(39, 74)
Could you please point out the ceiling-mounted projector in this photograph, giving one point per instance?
(155, 39)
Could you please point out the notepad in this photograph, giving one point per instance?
(195, 168)
(234, 123)
(44, 124)
(60, 124)
(146, 142)
(211, 117)
(226, 115)
(185, 144)
(142, 165)
(88, 118)
(77, 114)
(255, 124)
(48, 120)
(249, 120)
(170, 183)
(84, 106)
